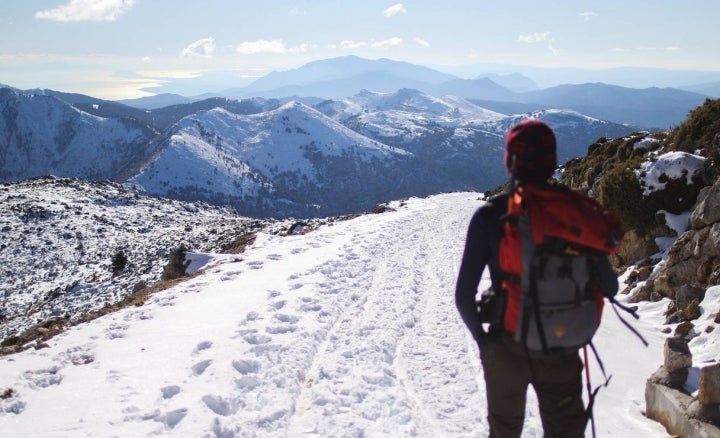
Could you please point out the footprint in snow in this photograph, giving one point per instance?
(80, 355)
(43, 378)
(222, 406)
(310, 305)
(274, 256)
(257, 339)
(278, 304)
(256, 264)
(247, 383)
(280, 329)
(12, 405)
(170, 391)
(200, 367)
(202, 346)
(246, 366)
(230, 275)
(288, 324)
(172, 418)
(115, 331)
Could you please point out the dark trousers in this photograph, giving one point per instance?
(557, 382)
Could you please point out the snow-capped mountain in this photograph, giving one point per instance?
(292, 160)
(40, 134)
(432, 126)
(270, 159)
(375, 111)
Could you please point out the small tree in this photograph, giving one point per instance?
(119, 262)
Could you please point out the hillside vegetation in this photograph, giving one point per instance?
(664, 187)
(609, 169)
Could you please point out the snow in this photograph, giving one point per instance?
(348, 330)
(230, 154)
(674, 165)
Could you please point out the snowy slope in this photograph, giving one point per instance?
(43, 135)
(58, 238)
(405, 116)
(293, 155)
(349, 330)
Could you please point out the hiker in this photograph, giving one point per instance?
(509, 366)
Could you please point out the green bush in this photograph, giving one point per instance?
(700, 130)
(620, 192)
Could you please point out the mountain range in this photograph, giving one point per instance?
(338, 78)
(273, 157)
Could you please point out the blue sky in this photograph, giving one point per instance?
(129, 48)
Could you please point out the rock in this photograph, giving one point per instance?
(669, 407)
(684, 328)
(634, 248)
(177, 265)
(707, 209)
(687, 293)
(692, 311)
(672, 380)
(632, 277)
(717, 318)
(140, 285)
(706, 413)
(662, 228)
(709, 385)
(677, 354)
(644, 273)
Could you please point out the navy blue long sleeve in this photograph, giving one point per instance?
(481, 251)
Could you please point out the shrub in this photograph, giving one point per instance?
(119, 262)
(620, 191)
(699, 130)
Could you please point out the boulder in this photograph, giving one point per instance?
(707, 209)
(709, 385)
(677, 354)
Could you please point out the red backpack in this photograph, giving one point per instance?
(552, 240)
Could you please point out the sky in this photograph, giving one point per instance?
(347, 330)
(117, 49)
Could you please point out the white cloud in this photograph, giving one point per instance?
(534, 37)
(266, 46)
(348, 44)
(87, 10)
(586, 16)
(302, 48)
(394, 10)
(540, 37)
(390, 42)
(204, 47)
(421, 42)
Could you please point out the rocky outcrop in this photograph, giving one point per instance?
(668, 403)
(693, 261)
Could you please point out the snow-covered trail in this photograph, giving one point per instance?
(350, 330)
